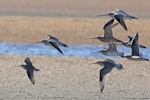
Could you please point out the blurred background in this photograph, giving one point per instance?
(72, 8)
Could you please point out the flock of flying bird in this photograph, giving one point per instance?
(108, 37)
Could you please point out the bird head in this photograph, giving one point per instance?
(27, 60)
(99, 63)
(102, 51)
(110, 13)
(42, 41)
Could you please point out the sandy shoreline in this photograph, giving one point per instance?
(63, 78)
(67, 78)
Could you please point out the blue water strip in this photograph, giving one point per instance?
(72, 51)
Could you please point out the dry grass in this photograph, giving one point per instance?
(70, 30)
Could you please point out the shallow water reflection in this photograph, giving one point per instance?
(71, 51)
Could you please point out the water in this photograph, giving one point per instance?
(71, 51)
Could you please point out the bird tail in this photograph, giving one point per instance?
(62, 44)
(142, 46)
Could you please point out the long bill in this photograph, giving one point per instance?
(93, 38)
(36, 42)
(92, 63)
(101, 15)
(95, 52)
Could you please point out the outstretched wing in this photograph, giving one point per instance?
(55, 46)
(112, 47)
(52, 38)
(24, 66)
(108, 28)
(31, 76)
(130, 38)
(102, 79)
(62, 44)
(135, 46)
(110, 22)
(120, 20)
(121, 12)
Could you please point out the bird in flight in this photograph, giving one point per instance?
(111, 50)
(57, 41)
(53, 42)
(135, 54)
(120, 16)
(108, 66)
(108, 32)
(128, 43)
(30, 69)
